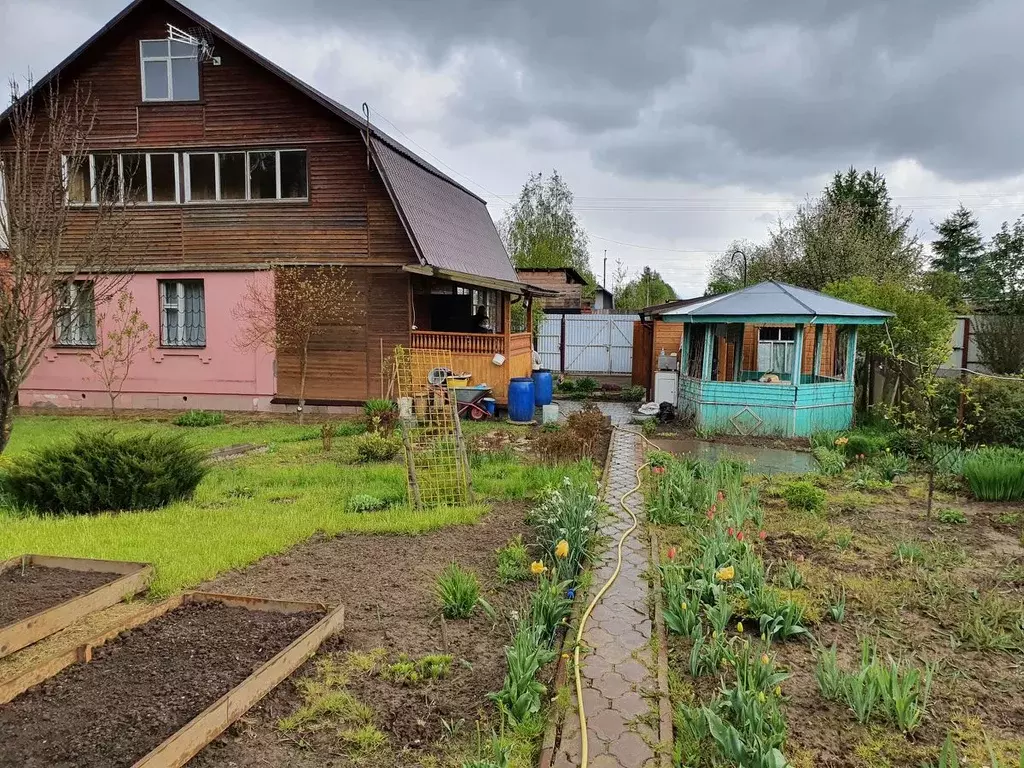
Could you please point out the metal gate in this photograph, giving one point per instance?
(601, 344)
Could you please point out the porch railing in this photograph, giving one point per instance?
(471, 343)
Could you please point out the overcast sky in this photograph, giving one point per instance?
(680, 126)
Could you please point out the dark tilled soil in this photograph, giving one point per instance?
(386, 584)
(141, 688)
(26, 592)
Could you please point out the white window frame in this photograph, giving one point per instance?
(187, 164)
(93, 193)
(170, 79)
(179, 307)
(68, 307)
(788, 351)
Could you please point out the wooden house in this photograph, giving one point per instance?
(245, 168)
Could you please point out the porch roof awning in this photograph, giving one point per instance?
(773, 302)
(477, 281)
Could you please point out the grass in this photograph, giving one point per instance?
(33, 432)
(250, 507)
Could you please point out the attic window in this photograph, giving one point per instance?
(170, 71)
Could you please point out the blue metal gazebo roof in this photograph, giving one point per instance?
(772, 302)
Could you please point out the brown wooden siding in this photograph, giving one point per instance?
(348, 217)
(345, 361)
(570, 295)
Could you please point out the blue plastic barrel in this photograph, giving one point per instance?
(543, 387)
(490, 405)
(520, 399)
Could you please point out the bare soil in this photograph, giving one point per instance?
(386, 584)
(141, 688)
(26, 592)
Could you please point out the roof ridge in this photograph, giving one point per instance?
(784, 288)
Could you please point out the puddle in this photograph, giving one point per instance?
(765, 461)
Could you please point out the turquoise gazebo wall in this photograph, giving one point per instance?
(750, 408)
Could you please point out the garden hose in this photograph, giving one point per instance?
(584, 747)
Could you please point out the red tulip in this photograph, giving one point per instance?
(721, 496)
(714, 507)
(711, 514)
(730, 531)
(658, 470)
(671, 553)
(762, 535)
(739, 536)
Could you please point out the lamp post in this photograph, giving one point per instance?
(736, 253)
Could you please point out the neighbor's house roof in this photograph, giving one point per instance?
(571, 273)
(451, 231)
(773, 302)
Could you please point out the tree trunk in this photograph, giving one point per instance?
(302, 387)
(931, 489)
(7, 398)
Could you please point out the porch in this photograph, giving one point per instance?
(474, 322)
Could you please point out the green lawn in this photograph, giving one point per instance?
(32, 432)
(252, 506)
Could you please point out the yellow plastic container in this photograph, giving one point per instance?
(458, 381)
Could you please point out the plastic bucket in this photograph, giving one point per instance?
(543, 387)
(490, 405)
(520, 399)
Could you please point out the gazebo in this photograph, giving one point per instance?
(770, 359)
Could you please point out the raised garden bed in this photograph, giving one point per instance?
(158, 693)
(40, 595)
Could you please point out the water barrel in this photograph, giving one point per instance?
(543, 387)
(520, 399)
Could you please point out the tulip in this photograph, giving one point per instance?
(537, 567)
(764, 659)
(671, 553)
(721, 496)
(730, 531)
(778, 690)
(728, 573)
(682, 607)
(761, 697)
(739, 627)
(762, 535)
(562, 549)
(739, 536)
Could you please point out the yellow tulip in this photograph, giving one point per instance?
(728, 573)
(761, 697)
(562, 549)
(682, 606)
(739, 627)
(765, 659)
(778, 690)
(537, 568)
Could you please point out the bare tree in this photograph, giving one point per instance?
(287, 314)
(121, 337)
(49, 244)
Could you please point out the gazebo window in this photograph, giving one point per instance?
(775, 349)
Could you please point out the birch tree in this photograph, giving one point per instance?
(49, 246)
(288, 313)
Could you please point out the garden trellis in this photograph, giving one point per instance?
(435, 452)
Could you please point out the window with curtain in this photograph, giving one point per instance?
(775, 349)
(182, 313)
(76, 316)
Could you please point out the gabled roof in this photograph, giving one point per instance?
(451, 231)
(776, 302)
(448, 224)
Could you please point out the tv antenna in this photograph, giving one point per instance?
(198, 37)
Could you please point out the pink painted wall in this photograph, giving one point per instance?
(218, 376)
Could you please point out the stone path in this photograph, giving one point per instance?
(617, 668)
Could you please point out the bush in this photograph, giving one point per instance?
(890, 465)
(102, 471)
(364, 502)
(952, 517)
(587, 385)
(865, 444)
(803, 495)
(634, 394)
(200, 419)
(996, 474)
(566, 385)
(513, 562)
(830, 461)
(997, 417)
(381, 415)
(373, 446)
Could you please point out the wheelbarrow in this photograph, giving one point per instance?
(469, 401)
